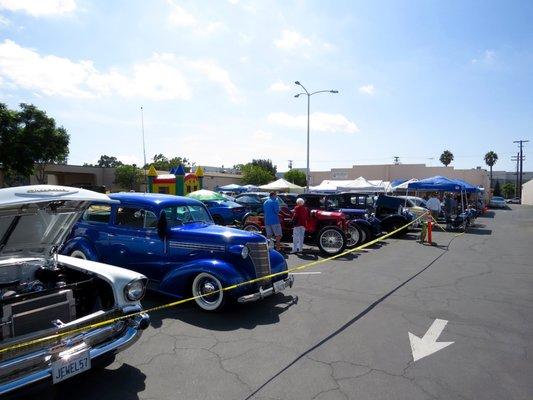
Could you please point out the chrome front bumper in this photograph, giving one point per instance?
(39, 363)
(277, 287)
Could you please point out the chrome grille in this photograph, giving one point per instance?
(261, 261)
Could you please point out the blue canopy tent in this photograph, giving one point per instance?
(437, 184)
(468, 187)
(443, 184)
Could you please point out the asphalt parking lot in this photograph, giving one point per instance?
(342, 332)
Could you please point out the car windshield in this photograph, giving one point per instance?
(34, 232)
(497, 198)
(187, 214)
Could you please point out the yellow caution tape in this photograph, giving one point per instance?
(182, 301)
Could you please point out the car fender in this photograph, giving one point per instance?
(82, 244)
(178, 281)
(393, 220)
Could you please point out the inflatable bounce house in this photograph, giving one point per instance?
(177, 182)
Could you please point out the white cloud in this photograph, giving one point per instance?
(40, 8)
(367, 89)
(322, 122)
(161, 77)
(487, 58)
(184, 19)
(4, 21)
(279, 87)
(220, 76)
(58, 76)
(290, 40)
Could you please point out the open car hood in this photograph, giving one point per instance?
(34, 219)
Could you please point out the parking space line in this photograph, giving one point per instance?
(306, 273)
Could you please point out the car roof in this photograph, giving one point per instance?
(254, 194)
(154, 199)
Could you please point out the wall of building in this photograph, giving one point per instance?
(527, 193)
(212, 180)
(390, 172)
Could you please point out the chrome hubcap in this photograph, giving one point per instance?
(331, 241)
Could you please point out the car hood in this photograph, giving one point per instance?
(213, 234)
(35, 219)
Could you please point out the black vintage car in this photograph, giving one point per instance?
(253, 201)
(390, 210)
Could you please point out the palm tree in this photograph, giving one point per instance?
(446, 157)
(490, 159)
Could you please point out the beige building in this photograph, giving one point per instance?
(390, 172)
(78, 175)
(527, 193)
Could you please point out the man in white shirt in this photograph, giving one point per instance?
(433, 204)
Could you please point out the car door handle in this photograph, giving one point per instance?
(111, 235)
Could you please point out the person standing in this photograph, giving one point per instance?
(272, 225)
(434, 206)
(300, 219)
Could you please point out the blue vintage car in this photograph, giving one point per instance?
(173, 241)
(225, 212)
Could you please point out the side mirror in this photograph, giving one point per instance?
(162, 225)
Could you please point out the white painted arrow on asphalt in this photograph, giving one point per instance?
(422, 347)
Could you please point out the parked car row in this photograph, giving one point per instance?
(70, 257)
(337, 221)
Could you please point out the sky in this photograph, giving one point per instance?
(216, 79)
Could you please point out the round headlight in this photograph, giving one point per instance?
(245, 252)
(134, 291)
(366, 216)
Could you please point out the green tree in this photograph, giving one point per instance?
(266, 164)
(9, 138)
(497, 189)
(129, 177)
(296, 176)
(255, 175)
(30, 140)
(162, 163)
(490, 159)
(446, 157)
(106, 161)
(508, 190)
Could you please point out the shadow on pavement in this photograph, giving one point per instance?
(488, 214)
(479, 231)
(127, 382)
(233, 317)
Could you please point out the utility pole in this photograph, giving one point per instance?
(516, 158)
(396, 160)
(521, 158)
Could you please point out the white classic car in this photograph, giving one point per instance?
(43, 293)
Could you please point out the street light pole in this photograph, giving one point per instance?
(308, 172)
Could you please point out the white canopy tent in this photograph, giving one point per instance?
(328, 186)
(361, 185)
(282, 185)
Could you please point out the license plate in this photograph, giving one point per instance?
(279, 286)
(70, 363)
